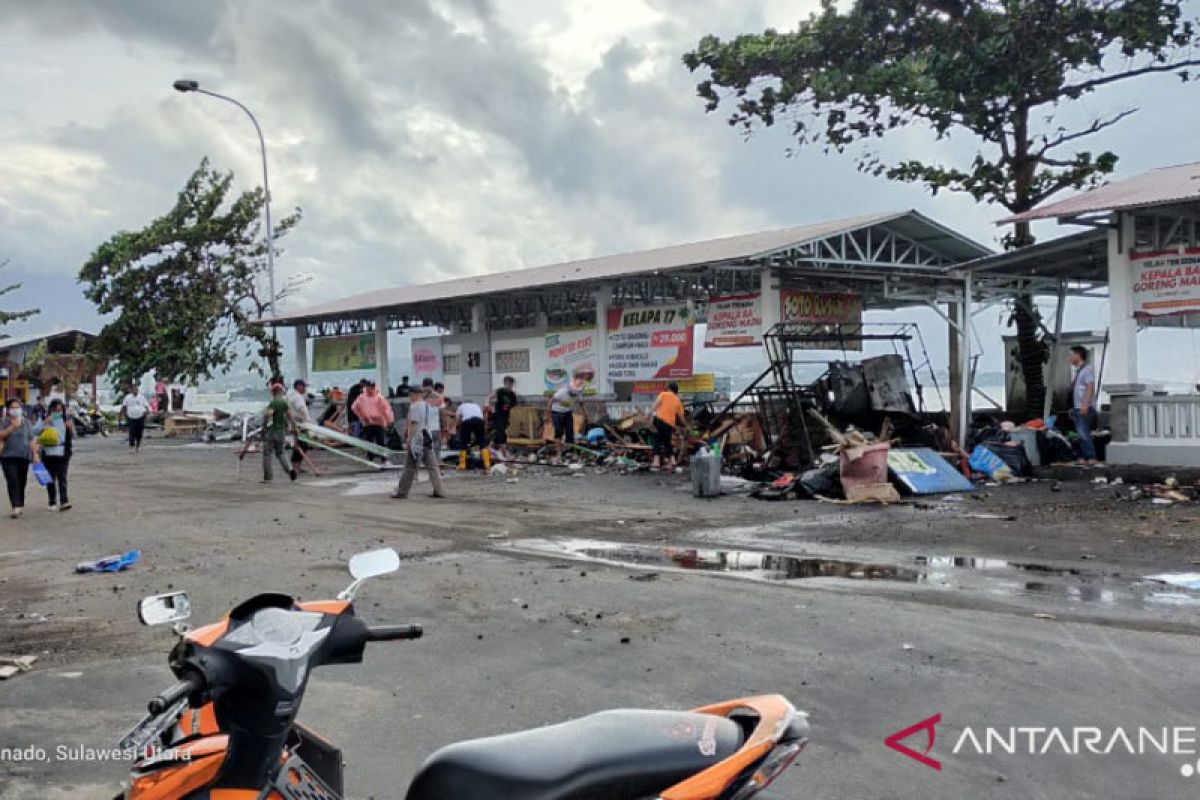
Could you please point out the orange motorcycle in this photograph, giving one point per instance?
(227, 730)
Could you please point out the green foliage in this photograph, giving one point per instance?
(13, 316)
(1000, 70)
(183, 291)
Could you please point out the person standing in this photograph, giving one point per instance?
(421, 438)
(160, 394)
(19, 448)
(134, 409)
(298, 403)
(503, 401)
(353, 423)
(56, 438)
(375, 413)
(668, 413)
(404, 389)
(277, 423)
(1083, 403)
(562, 406)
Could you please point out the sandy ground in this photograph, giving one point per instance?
(1014, 606)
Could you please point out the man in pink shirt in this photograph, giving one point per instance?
(375, 413)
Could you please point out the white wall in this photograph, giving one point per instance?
(531, 339)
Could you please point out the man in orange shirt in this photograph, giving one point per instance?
(668, 413)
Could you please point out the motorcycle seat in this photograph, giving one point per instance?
(613, 755)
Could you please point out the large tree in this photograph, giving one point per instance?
(1002, 72)
(12, 316)
(185, 291)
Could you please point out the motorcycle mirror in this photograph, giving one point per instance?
(159, 609)
(369, 565)
(374, 563)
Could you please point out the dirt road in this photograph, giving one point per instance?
(559, 595)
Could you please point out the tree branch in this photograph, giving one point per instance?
(1076, 89)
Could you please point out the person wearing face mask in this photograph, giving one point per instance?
(375, 413)
(19, 448)
(55, 437)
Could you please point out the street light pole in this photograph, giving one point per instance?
(184, 85)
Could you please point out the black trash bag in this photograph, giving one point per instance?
(825, 480)
(1014, 458)
(1054, 448)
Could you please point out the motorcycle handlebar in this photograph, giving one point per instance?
(387, 633)
(170, 697)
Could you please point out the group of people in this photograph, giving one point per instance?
(25, 441)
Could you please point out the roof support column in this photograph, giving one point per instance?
(772, 311)
(478, 317)
(603, 296)
(967, 379)
(301, 355)
(1121, 367)
(1055, 350)
(383, 378)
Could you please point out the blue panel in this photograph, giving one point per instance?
(920, 470)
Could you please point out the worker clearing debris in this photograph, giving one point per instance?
(562, 406)
(471, 433)
(668, 413)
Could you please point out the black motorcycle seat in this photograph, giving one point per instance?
(613, 755)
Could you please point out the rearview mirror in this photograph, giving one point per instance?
(159, 609)
(376, 562)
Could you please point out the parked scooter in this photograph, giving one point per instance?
(227, 730)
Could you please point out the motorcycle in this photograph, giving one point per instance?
(228, 731)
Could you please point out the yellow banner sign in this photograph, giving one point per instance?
(700, 383)
(341, 353)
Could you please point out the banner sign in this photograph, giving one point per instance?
(700, 383)
(650, 342)
(427, 359)
(340, 353)
(570, 352)
(734, 321)
(1166, 282)
(821, 313)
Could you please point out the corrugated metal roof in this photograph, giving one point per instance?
(1176, 184)
(1081, 256)
(17, 341)
(730, 249)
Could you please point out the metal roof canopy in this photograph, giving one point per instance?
(53, 338)
(894, 260)
(1074, 265)
(1179, 184)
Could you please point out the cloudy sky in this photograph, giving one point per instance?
(426, 139)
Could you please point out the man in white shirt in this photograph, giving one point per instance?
(134, 409)
(471, 433)
(297, 400)
(421, 445)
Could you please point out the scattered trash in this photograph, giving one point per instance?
(499, 469)
(906, 647)
(499, 535)
(14, 665)
(1043, 615)
(1163, 501)
(644, 577)
(115, 563)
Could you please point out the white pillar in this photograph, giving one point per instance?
(603, 297)
(772, 310)
(478, 317)
(382, 376)
(1120, 365)
(301, 354)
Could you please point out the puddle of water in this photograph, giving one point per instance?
(989, 575)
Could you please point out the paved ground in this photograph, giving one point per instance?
(1024, 608)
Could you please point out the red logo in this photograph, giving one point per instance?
(930, 728)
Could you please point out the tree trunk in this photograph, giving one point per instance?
(1030, 347)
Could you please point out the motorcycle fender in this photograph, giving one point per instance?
(172, 783)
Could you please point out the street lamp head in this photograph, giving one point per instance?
(185, 85)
